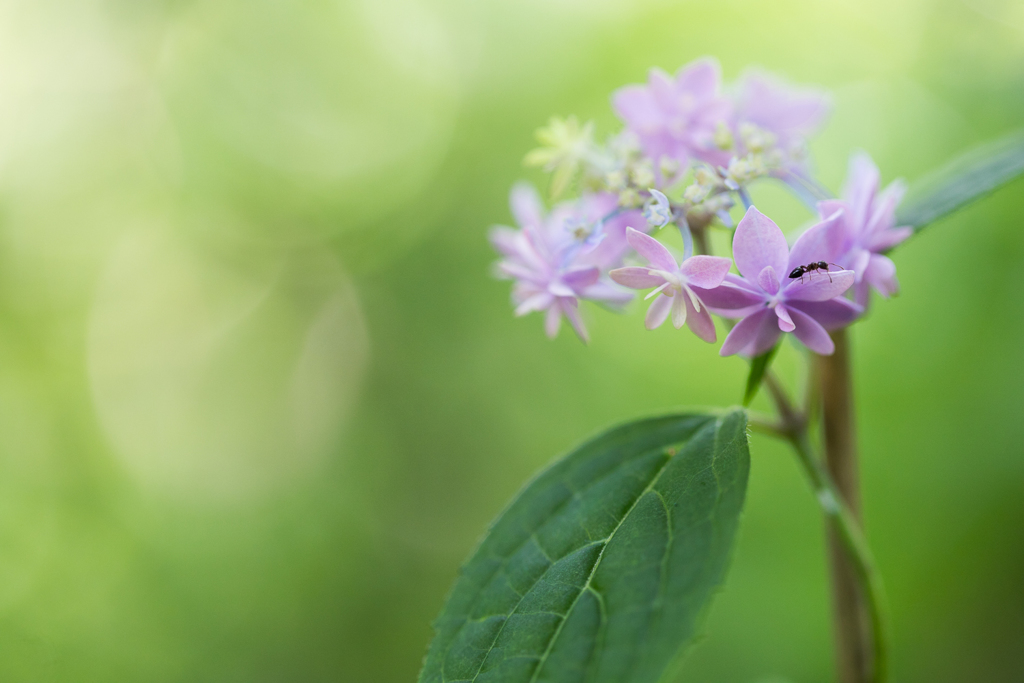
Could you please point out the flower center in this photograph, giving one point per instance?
(673, 279)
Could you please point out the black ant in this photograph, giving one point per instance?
(813, 267)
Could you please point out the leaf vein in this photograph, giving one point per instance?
(597, 563)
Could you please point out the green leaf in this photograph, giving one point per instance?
(758, 366)
(967, 177)
(601, 569)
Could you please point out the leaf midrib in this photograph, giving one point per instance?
(504, 563)
(519, 602)
(587, 586)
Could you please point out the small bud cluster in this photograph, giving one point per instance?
(565, 146)
(687, 155)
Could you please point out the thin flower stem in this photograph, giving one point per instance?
(839, 443)
(687, 235)
(792, 427)
(812, 394)
(766, 425)
(700, 239)
(745, 198)
(849, 533)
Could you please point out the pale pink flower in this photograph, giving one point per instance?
(868, 227)
(790, 113)
(557, 258)
(769, 300)
(676, 285)
(676, 116)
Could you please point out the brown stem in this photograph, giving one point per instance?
(855, 658)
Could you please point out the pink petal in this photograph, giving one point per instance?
(635, 105)
(705, 271)
(652, 250)
(569, 308)
(743, 334)
(768, 280)
(827, 207)
(515, 245)
(817, 286)
(862, 294)
(658, 290)
(893, 193)
(636, 278)
(824, 241)
(811, 333)
(526, 205)
(609, 252)
(856, 260)
(861, 187)
(767, 336)
(884, 208)
(505, 240)
(700, 322)
(679, 310)
(758, 242)
(831, 314)
(881, 274)
(658, 311)
(742, 283)
(699, 78)
(789, 112)
(729, 296)
(753, 332)
(536, 302)
(511, 269)
(887, 239)
(552, 321)
(608, 293)
(737, 313)
(580, 278)
(785, 322)
(561, 290)
(662, 89)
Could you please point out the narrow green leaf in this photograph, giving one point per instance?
(967, 177)
(758, 366)
(600, 570)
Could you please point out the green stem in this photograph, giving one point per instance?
(792, 427)
(856, 546)
(700, 239)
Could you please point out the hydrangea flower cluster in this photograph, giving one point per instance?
(688, 153)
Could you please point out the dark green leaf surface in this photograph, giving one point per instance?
(600, 570)
(964, 179)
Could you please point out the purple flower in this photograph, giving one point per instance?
(676, 117)
(869, 227)
(790, 114)
(676, 285)
(771, 302)
(556, 259)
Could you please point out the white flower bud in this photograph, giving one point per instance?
(669, 167)
(642, 174)
(630, 198)
(723, 136)
(615, 180)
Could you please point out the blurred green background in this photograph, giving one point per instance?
(259, 395)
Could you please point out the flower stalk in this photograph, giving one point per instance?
(857, 657)
(858, 595)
